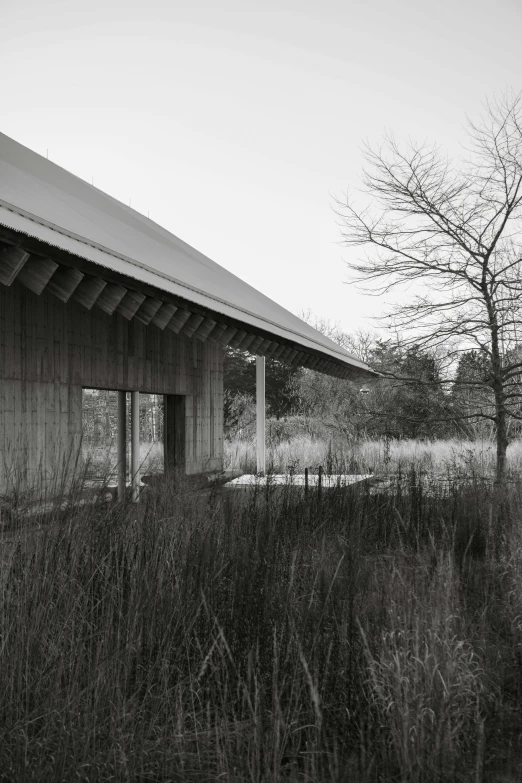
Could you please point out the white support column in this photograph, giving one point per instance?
(260, 413)
(135, 445)
(122, 444)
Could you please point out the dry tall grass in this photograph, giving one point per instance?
(385, 456)
(262, 637)
(102, 462)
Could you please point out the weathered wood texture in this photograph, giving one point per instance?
(49, 350)
(175, 433)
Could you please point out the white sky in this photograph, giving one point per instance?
(234, 123)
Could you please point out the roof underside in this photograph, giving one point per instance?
(61, 233)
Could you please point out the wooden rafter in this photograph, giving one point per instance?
(285, 354)
(264, 345)
(312, 362)
(247, 342)
(192, 324)
(12, 259)
(178, 320)
(298, 358)
(305, 360)
(164, 315)
(279, 351)
(64, 282)
(270, 350)
(110, 297)
(237, 339)
(217, 332)
(148, 310)
(228, 335)
(70, 278)
(204, 329)
(88, 291)
(36, 273)
(255, 344)
(324, 366)
(130, 304)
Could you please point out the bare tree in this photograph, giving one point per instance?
(359, 343)
(450, 230)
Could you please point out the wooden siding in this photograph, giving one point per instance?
(49, 350)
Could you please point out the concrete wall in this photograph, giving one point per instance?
(50, 350)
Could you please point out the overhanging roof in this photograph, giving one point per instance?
(42, 200)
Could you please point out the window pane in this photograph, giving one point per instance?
(151, 434)
(100, 422)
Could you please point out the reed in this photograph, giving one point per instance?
(450, 457)
(260, 636)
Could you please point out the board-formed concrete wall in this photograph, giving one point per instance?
(49, 351)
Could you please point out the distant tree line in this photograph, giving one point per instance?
(412, 399)
(240, 390)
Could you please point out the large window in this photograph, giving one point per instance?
(100, 434)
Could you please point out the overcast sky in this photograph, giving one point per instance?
(234, 123)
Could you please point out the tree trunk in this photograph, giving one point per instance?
(502, 441)
(498, 508)
(501, 419)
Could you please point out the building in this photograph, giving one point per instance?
(95, 295)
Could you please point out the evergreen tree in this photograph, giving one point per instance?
(240, 386)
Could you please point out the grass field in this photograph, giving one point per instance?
(451, 457)
(261, 637)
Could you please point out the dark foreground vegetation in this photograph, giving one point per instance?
(265, 637)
